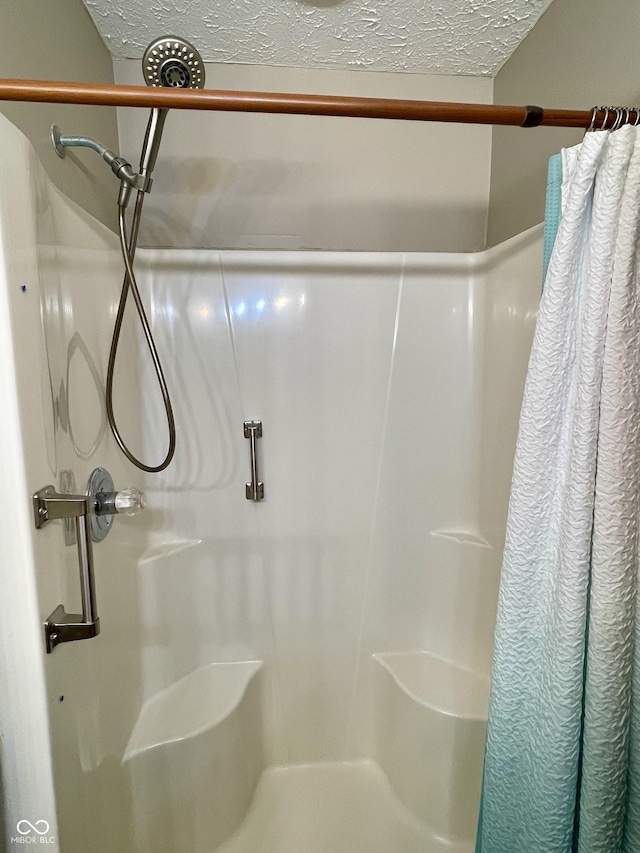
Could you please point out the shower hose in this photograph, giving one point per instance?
(128, 248)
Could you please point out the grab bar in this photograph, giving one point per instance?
(63, 627)
(254, 491)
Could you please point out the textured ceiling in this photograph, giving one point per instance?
(438, 37)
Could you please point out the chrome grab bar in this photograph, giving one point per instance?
(254, 491)
(63, 627)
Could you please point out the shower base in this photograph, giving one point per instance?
(332, 807)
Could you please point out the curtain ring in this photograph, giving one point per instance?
(637, 112)
(592, 124)
(627, 116)
(605, 119)
(617, 122)
(619, 118)
(624, 115)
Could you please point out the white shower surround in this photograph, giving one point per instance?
(373, 375)
(389, 387)
(442, 37)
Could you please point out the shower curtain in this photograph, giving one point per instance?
(562, 764)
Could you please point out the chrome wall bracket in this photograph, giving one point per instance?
(254, 491)
(63, 627)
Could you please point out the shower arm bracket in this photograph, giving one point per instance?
(120, 167)
(60, 626)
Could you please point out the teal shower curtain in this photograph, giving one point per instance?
(562, 763)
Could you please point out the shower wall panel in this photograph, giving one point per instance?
(275, 337)
(381, 381)
(205, 591)
(465, 327)
(314, 364)
(66, 717)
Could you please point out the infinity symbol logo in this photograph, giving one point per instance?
(25, 827)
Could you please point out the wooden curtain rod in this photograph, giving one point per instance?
(55, 92)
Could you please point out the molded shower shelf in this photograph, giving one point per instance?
(195, 757)
(190, 706)
(463, 537)
(438, 684)
(430, 728)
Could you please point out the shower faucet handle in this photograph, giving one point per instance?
(129, 501)
(105, 502)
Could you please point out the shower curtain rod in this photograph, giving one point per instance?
(59, 92)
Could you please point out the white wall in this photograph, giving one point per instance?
(58, 41)
(229, 180)
(580, 53)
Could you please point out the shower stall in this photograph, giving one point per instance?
(305, 672)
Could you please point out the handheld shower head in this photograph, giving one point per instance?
(172, 62)
(168, 61)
